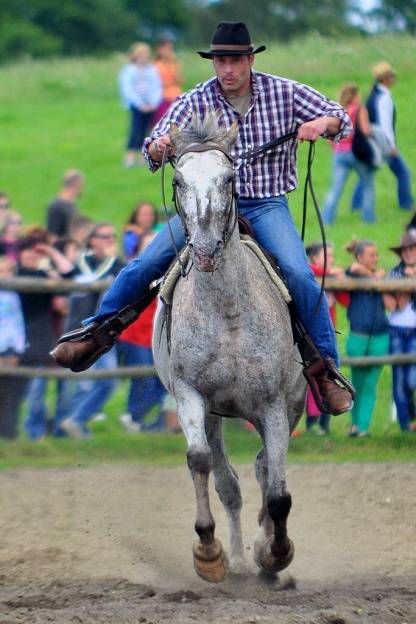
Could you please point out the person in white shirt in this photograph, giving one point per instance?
(382, 114)
(141, 93)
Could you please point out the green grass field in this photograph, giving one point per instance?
(60, 114)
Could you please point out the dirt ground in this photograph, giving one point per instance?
(113, 545)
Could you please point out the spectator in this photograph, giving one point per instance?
(143, 220)
(368, 334)
(141, 93)
(170, 73)
(35, 252)
(316, 256)
(10, 234)
(402, 330)
(344, 161)
(99, 262)
(81, 228)
(4, 207)
(12, 345)
(382, 112)
(135, 347)
(63, 210)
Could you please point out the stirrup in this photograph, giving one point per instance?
(321, 366)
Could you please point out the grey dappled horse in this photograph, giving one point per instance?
(231, 354)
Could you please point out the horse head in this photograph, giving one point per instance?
(203, 188)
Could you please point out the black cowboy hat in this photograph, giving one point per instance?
(407, 240)
(231, 39)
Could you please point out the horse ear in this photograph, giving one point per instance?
(231, 135)
(174, 134)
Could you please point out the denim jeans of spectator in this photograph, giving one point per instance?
(36, 423)
(139, 124)
(400, 169)
(276, 232)
(145, 392)
(342, 165)
(403, 340)
(92, 394)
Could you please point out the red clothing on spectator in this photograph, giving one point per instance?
(341, 297)
(140, 332)
(345, 144)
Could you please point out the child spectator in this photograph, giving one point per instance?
(368, 334)
(316, 256)
(10, 234)
(135, 347)
(141, 93)
(402, 330)
(143, 220)
(12, 345)
(170, 73)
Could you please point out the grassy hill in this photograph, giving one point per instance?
(65, 113)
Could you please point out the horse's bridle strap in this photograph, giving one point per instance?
(204, 147)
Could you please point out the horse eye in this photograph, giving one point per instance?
(229, 178)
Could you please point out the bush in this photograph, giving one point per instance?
(19, 39)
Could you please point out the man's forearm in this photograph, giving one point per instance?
(333, 125)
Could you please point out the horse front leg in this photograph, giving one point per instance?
(228, 489)
(210, 561)
(273, 550)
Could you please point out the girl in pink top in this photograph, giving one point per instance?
(344, 161)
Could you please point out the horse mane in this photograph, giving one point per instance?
(201, 130)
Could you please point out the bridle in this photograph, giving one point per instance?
(233, 211)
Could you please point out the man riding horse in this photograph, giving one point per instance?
(264, 107)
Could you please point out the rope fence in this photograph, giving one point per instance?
(61, 287)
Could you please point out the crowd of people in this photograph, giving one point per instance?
(72, 246)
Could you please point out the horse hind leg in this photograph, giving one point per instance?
(273, 550)
(210, 561)
(228, 489)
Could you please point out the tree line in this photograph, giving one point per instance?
(75, 27)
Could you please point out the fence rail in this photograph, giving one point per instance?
(59, 286)
(127, 372)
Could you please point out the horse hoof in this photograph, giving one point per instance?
(210, 561)
(269, 562)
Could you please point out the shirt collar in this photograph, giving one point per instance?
(254, 88)
(383, 88)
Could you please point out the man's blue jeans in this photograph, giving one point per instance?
(342, 165)
(275, 231)
(400, 169)
(403, 340)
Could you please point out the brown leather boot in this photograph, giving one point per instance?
(332, 392)
(81, 348)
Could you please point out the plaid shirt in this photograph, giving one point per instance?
(278, 106)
